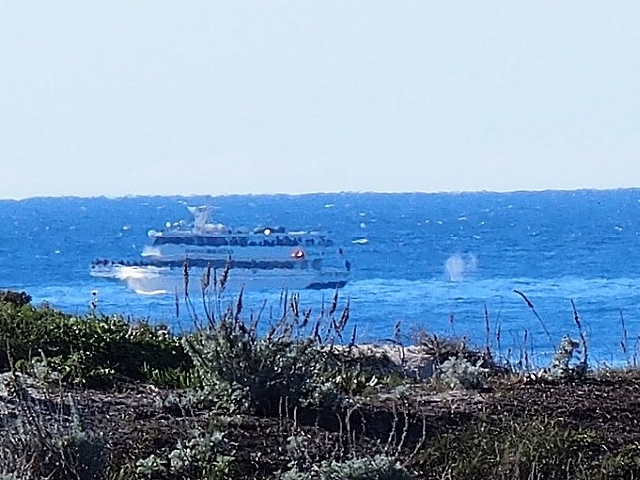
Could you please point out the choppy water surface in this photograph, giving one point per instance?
(431, 261)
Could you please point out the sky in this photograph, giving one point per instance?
(209, 97)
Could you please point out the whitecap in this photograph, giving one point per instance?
(151, 292)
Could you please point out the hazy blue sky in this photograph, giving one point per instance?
(156, 97)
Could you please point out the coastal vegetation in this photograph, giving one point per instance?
(292, 395)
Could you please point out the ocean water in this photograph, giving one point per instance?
(434, 262)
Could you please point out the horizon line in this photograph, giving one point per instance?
(302, 194)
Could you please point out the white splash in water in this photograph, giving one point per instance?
(458, 266)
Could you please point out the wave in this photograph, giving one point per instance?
(360, 241)
(615, 291)
(152, 292)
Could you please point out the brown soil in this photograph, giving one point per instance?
(136, 421)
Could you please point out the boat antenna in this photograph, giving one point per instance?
(200, 217)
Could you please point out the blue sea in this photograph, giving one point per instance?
(442, 263)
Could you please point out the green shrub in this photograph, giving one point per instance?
(87, 350)
(18, 299)
(379, 467)
(261, 370)
(50, 446)
(83, 453)
(511, 448)
(288, 365)
(458, 373)
(561, 363)
(203, 456)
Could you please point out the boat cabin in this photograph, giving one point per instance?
(248, 240)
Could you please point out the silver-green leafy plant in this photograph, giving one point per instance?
(380, 467)
(458, 373)
(203, 456)
(562, 361)
(150, 466)
(38, 445)
(293, 363)
(11, 476)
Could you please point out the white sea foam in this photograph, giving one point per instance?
(152, 292)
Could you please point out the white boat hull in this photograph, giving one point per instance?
(169, 280)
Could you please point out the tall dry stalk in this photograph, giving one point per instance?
(533, 309)
(583, 338)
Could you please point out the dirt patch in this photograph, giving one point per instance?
(137, 420)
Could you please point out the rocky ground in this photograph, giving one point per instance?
(596, 415)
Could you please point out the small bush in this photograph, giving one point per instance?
(261, 370)
(205, 456)
(561, 364)
(87, 350)
(460, 374)
(442, 349)
(282, 366)
(17, 299)
(151, 466)
(83, 453)
(510, 448)
(49, 446)
(379, 467)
